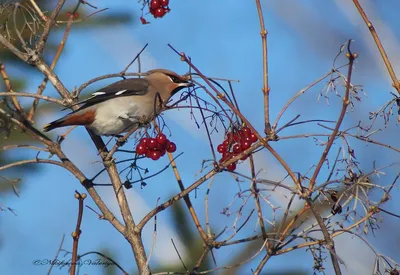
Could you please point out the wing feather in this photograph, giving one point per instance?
(126, 87)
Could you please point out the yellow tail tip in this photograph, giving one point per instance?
(46, 127)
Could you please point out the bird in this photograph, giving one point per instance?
(124, 105)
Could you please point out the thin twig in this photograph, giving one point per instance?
(396, 82)
(4, 41)
(186, 198)
(7, 82)
(346, 102)
(52, 66)
(221, 96)
(47, 98)
(136, 57)
(56, 257)
(262, 264)
(330, 245)
(77, 233)
(265, 88)
(254, 191)
(179, 255)
(196, 184)
(49, 24)
(38, 10)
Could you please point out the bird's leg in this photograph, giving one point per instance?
(157, 103)
(120, 140)
(142, 121)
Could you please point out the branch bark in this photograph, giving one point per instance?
(395, 80)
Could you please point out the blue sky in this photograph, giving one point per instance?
(222, 38)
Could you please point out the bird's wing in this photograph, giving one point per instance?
(126, 87)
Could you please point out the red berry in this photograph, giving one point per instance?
(154, 4)
(247, 139)
(226, 143)
(161, 138)
(164, 2)
(246, 131)
(155, 155)
(152, 143)
(163, 151)
(231, 167)
(145, 141)
(225, 156)
(143, 20)
(244, 157)
(221, 148)
(171, 147)
(160, 147)
(148, 153)
(237, 137)
(141, 149)
(253, 137)
(245, 145)
(160, 12)
(236, 148)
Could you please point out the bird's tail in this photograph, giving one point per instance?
(55, 124)
(81, 117)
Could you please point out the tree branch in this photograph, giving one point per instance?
(346, 102)
(396, 82)
(265, 88)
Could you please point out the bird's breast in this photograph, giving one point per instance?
(118, 115)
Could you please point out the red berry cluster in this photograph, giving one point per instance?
(234, 144)
(154, 148)
(158, 8)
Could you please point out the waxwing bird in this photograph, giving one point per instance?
(126, 104)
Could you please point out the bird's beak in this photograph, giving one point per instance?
(185, 84)
(176, 87)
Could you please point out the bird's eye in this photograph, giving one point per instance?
(175, 79)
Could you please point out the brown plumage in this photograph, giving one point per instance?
(86, 118)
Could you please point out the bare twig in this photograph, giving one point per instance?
(52, 66)
(222, 97)
(9, 88)
(47, 98)
(49, 24)
(77, 233)
(265, 88)
(56, 257)
(23, 56)
(328, 240)
(395, 80)
(346, 102)
(38, 10)
(254, 190)
(262, 264)
(186, 198)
